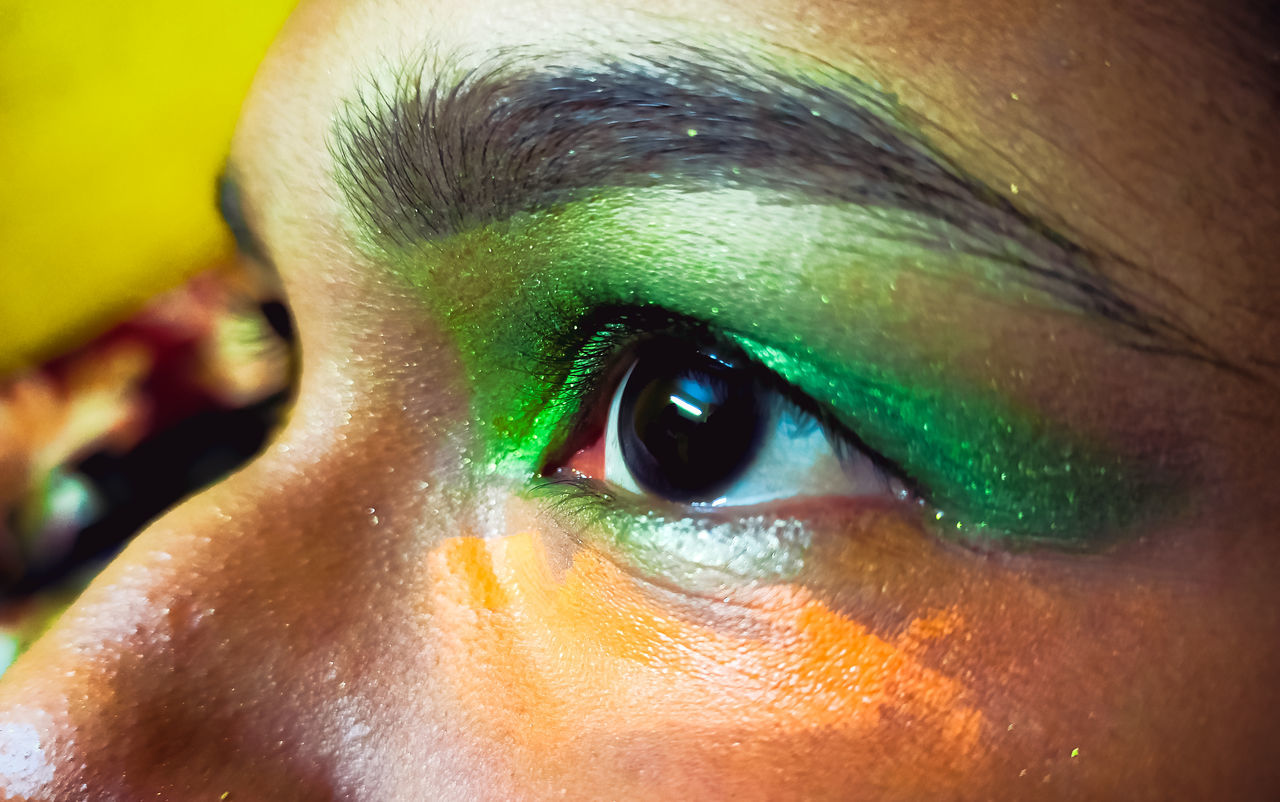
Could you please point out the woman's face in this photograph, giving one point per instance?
(776, 399)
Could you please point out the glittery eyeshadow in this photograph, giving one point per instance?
(761, 273)
(984, 466)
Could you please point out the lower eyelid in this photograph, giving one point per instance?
(691, 553)
(711, 553)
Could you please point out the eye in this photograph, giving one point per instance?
(655, 424)
(703, 427)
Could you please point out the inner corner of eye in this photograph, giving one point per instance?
(580, 452)
(582, 458)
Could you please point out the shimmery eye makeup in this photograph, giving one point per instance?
(689, 550)
(991, 472)
(541, 306)
(988, 475)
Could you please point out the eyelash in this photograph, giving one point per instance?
(985, 474)
(595, 351)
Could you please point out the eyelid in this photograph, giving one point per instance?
(993, 471)
(699, 553)
(992, 475)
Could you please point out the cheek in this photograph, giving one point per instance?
(579, 668)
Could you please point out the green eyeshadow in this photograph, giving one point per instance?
(755, 272)
(986, 468)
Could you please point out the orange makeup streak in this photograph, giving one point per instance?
(549, 661)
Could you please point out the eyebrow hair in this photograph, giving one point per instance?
(230, 203)
(419, 160)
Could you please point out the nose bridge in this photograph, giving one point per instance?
(78, 698)
(238, 643)
(155, 679)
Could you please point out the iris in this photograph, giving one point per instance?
(688, 424)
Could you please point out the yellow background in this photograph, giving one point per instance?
(114, 121)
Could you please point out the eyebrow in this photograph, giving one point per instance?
(230, 203)
(420, 160)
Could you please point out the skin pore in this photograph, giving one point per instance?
(392, 603)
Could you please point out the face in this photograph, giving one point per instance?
(778, 399)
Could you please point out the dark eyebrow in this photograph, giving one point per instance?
(230, 204)
(418, 161)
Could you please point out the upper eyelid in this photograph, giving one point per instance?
(812, 124)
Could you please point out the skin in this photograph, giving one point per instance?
(363, 614)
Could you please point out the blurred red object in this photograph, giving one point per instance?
(205, 347)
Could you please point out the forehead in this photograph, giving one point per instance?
(1138, 133)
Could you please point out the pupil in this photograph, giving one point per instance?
(687, 427)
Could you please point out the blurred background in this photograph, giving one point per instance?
(140, 358)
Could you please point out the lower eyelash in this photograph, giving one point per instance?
(695, 553)
(573, 494)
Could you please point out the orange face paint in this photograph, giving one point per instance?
(552, 665)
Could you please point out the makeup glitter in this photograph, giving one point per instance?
(999, 471)
(692, 552)
(807, 266)
(992, 471)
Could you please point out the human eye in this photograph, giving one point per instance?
(935, 362)
(704, 426)
(685, 417)
(686, 451)
(679, 449)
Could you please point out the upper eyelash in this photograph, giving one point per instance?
(585, 352)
